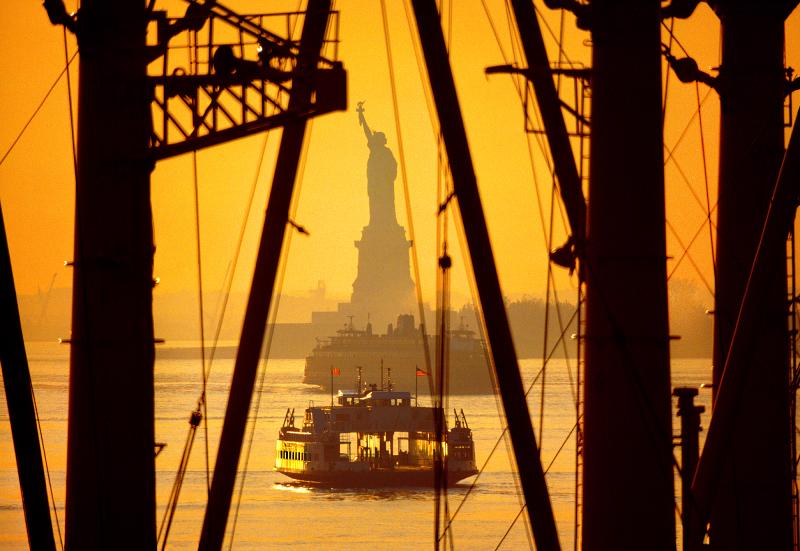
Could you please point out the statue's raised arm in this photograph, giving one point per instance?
(363, 122)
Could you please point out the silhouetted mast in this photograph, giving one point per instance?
(261, 290)
(744, 477)
(21, 409)
(110, 449)
(628, 493)
(540, 74)
(500, 343)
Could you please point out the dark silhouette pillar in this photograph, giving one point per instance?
(627, 479)
(110, 451)
(751, 507)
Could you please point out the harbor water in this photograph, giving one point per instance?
(270, 510)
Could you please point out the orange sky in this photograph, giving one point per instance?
(37, 188)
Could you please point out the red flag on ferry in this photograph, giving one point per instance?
(421, 373)
(335, 371)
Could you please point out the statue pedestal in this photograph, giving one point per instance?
(383, 288)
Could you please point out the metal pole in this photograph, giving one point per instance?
(21, 411)
(501, 345)
(110, 495)
(269, 252)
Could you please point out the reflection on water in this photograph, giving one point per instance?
(275, 511)
(367, 494)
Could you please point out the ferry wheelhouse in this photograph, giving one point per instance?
(371, 438)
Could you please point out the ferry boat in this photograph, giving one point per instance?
(401, 350)
(371, 438)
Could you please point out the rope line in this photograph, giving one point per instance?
(549, 278)
(406, 191)
(519, 513)
(666, 77)
(38, 108)
(271, 326)
(445, 190)
(47, 467)
(670, 154)
(504, 431)
(420, 68)
(686, 254)
(705, 175)
(67, 62)
(203, 400)
(277, 291)
(691, 242)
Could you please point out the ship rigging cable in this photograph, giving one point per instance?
(203, 397)
(504, 431)
(547, 229)
(271, 331)
(38, 108)
(443, 190)
(406, 192)
(229, 276)
(646, 406)
(203, 401)
(699, 112)
(277, 291)
(549, 278)
(227, 284)
(47, 468)
(707, 207)
(69, 101)
(521, 90)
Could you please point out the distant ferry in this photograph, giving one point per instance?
(371, 438)
(401, 351)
